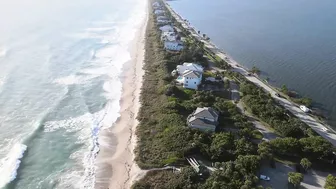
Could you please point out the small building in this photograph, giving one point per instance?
(168, 36)
(189, 66)
(173, 45)
(167, 28)
(205, 119)
(156, 5)
(161, 22)
(162, 18)
(190, 79)
(159, 12)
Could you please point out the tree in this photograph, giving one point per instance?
(204, 35)
(265, 150)
(285, 146)
(248, 164)
(330, 182)
(305, 163)
(222, 146)
(255, 70)
(295, 179)
(199, 32)
(284, 89)
(316, 147)
(244, 147)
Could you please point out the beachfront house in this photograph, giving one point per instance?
(190, 79)
(161, 21)
(205, 119)
(159, 12)
(189, 66)
(168, 36)
(167, 28)
(173, 45)
(156, 5)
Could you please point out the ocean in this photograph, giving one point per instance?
(292, 42)
(60, 84)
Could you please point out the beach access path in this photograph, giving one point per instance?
(292, 107)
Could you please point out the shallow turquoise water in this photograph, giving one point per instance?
(59, 84)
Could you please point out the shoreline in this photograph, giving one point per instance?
(116, 167)
(311, 121)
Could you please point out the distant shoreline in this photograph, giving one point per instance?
(318, 126)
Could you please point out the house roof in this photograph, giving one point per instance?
(162, 18)
(206, 112)
(167, 27)
(194, 66)
(201, 122)
(192, 74)
(168, 36)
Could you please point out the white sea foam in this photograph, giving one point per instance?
(3, 52)
(10, 164)
(107, 61)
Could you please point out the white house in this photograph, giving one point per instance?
(159, 12)
(205, 119)
(189, 66)
(162, 18)
(168, 36)
(156, 4)
(167, 28)
(162, 22)
(190, 79)
(173, 45)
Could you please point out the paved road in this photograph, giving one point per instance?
(279, 177)
(309, 120)
(267, 133)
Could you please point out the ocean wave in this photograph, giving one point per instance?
(10, 164)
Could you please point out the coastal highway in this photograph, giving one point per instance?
(293, 108)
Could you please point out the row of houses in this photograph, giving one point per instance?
(189, 75)
(170, 38)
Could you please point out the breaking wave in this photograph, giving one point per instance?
(10, 164)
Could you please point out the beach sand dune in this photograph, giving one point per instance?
(116, 168)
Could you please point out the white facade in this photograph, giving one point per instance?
(189, 66)
(191, 79)
(156, 4)
(167, 28)
(162, 22)
(168, 36)
(159, 12)
(173, 45)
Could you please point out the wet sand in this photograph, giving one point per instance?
(116, 168)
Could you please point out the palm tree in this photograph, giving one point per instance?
(294, 179)
(305, 163)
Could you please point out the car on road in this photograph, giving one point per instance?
(277, 94)
(304, 109)
(264, 177)
(325, 129)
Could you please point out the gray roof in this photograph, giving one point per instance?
(192, 74)
(201, 122)
(206, 112)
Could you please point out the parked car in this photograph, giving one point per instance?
(264, 177)
(304, 109)
(277, 94)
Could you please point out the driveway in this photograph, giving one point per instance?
(267, 133)
(279, 177)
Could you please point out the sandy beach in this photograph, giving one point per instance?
(116, 168)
